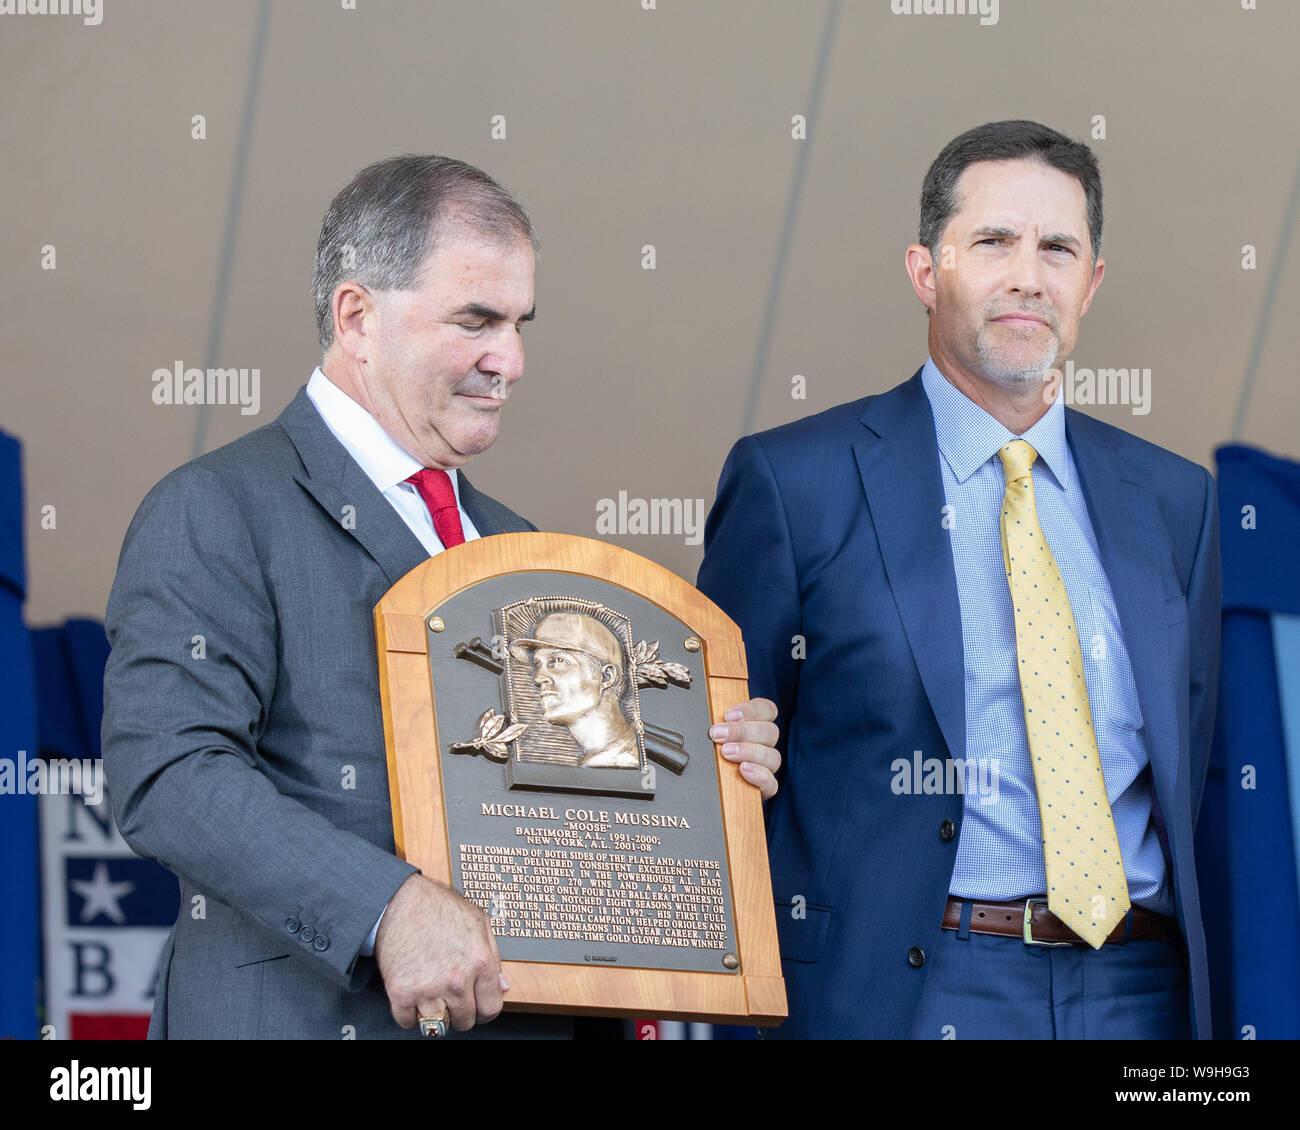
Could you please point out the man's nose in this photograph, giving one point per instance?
(505, 362)
(1025, 271)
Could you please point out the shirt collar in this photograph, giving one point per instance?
(969, 437)
(385, 463)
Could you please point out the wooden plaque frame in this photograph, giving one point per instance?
(756, 993)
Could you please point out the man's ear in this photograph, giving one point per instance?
(921, 270)
(1099, 269)
(353, 308)
(608, 676)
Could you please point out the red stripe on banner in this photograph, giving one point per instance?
(109, 1025)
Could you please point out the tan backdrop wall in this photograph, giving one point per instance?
(624, 127)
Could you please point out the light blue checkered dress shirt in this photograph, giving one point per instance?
(1000, 852)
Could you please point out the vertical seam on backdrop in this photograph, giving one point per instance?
(1266, 306)
(230, 228)
(792, 201)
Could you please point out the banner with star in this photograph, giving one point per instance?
(106, 916)
(105, 911)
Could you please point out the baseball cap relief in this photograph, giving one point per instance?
(572, 631)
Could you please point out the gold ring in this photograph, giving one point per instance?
(434, 1026)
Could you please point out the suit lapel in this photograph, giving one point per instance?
(344, 491)
(471, 501)
(898, 459)
(1123, 516)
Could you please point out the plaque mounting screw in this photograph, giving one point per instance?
(692, 643)
(731, 961)
(436, 624)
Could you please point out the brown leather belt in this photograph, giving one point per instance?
(1035, 925)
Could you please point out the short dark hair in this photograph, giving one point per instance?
(383, 224)
(1005, 141)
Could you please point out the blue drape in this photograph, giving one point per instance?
(1246, 837)
(19, 874)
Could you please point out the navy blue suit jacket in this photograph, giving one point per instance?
(826, 546)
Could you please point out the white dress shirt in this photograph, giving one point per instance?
(387, 466)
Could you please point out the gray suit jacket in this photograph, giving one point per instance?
(243, 735)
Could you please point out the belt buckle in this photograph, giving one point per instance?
(1028, 932)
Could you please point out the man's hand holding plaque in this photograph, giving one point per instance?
(435, 951)
(749, 736)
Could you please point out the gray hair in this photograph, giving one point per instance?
(1005, 141)
(379, 230)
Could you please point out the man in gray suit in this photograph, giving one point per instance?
(243, 735)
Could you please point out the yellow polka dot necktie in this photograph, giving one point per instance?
(1086, 888)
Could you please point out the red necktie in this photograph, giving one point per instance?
(440, 497)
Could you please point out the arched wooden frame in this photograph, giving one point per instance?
(756, 994)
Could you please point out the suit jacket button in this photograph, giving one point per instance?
(307, 933)
(321, 943)
(916, 957)
(947, 830)
(292, 925)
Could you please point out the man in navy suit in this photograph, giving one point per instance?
(916, 846)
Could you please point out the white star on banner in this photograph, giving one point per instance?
(101, 895)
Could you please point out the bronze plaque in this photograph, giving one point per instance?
(580, 815)
(554, 766)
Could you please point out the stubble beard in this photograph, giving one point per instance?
(1014, 375)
